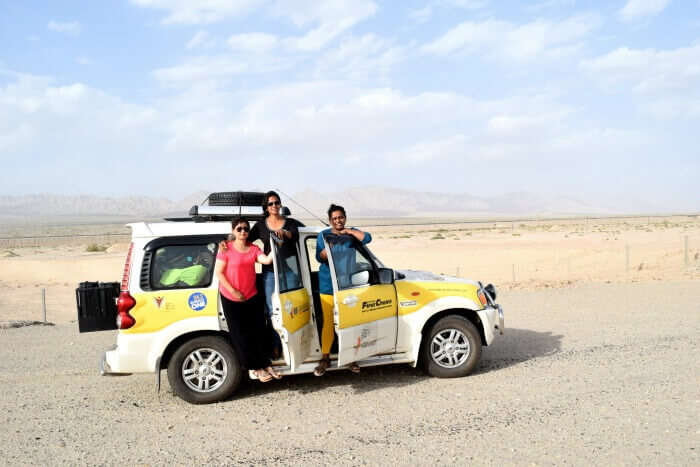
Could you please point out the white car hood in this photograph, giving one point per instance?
(426, 276)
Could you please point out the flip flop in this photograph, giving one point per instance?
(272, 372)
(323, 365)
(263, 376)
(354, 367)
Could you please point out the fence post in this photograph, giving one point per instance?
(43, 303)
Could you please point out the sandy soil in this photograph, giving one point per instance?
(599, 365)
(603, 374)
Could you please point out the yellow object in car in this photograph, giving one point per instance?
(192, 276)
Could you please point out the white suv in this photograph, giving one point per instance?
(169, 315)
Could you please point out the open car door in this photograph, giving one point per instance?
(291, 314)
(365, 309)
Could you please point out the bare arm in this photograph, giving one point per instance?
(358, 234)
(264, 259)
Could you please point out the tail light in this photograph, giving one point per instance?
(125, 302)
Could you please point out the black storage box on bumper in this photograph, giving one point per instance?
(97, 306)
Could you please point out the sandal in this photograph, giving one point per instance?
(272, 372)
(323, 365)
(263, 376)
(354, 367)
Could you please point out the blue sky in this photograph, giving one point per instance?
(596, 100)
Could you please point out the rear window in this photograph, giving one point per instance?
(181, 266)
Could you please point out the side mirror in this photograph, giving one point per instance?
(386, 276)
(360, 278)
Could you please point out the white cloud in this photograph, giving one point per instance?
(199, 11)
(201, 68)
(72, 27)
(648, 70)
(220, 68)
(668, 81)
(536, 39)
(74, 121)
(422, 152)
(421, 15)
(547, 4)
(324, 125)
(255, 42)
(468, 4)
(330, 120)
(358, 58)
(201, 39)
(330, 18)
(635, 9)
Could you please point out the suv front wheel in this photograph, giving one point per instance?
(451, 348)
(204, 370)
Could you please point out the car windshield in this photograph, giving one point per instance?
(376, 260)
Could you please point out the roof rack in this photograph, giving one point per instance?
(228, 205)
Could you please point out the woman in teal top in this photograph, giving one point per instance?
(339, 238)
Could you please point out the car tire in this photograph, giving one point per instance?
(451, 348)
(205, 369)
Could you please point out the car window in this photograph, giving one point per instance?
(348, 260)
(182, 266)
(311, 254)
(288, 271)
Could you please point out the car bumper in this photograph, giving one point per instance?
(492, 320)
(501, 320)
(105, 368)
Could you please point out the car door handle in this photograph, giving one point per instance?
(350, 300)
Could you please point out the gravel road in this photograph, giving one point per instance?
(604, 374)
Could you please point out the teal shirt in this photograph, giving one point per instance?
(343, 255)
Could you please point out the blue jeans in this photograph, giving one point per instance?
(269, 284)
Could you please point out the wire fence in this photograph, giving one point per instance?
(510, 253)
(61, 240)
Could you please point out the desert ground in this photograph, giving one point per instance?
(598, 365)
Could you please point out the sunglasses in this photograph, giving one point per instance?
(274, 203)
(242, 229)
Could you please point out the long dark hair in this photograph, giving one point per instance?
(266, 199)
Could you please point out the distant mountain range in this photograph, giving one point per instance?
(367, 201)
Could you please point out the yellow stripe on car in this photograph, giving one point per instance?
(414, 295)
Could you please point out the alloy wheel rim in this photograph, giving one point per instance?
(204, 370)
(450, 348)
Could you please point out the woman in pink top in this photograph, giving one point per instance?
(235, 269)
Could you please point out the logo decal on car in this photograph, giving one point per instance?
(197, 301)
(374, 305)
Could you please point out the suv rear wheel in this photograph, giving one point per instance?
(451, 348)
(204, 370)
